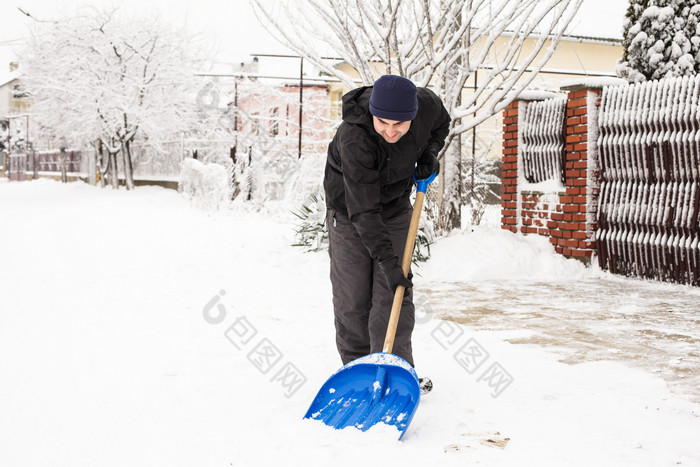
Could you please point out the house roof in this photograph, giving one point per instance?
(579, 38)
(6, 78)
(593, 39)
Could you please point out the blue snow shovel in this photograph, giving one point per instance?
(380, 387)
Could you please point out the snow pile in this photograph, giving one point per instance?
(208, 185)
(485, 254)
(383, 359)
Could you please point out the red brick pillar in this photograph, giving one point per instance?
(576, 225)
(509, 168)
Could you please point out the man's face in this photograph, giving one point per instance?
(391, 130)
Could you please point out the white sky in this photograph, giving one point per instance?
(234, 25)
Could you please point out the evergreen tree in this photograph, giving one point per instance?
(661, 39)
(632, 16)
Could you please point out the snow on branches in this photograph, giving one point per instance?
(99, 76)
(432, 42)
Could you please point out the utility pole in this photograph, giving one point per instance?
(235, 120)
(301, 100)
(474, 141)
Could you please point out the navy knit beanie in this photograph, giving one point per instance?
(394, 98)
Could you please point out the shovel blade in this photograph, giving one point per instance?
(377, 388)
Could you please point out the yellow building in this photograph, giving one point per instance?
(12, 100)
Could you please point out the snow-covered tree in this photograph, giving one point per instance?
(256, 123)
(432, 42)
(661, 39)
(102, 77)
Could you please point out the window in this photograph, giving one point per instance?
(275, 124)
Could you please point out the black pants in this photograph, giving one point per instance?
(361, 298)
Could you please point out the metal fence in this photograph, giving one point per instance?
(543, 142)
(650, 168)
(23, 166)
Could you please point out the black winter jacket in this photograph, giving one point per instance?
(370, 180)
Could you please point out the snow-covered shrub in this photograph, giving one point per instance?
(307, 178)
(424, 238)
(207, 185)
(311, 231)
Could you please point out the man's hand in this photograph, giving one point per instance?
(394, 274)
(427, 164)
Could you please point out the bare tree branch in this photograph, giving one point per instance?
(435, 43)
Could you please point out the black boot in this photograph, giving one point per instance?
(426, 385)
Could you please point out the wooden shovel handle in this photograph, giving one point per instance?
(405, 265)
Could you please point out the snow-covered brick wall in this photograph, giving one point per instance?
(527, 207)
(550, 167)
(650, 169)
(537, 211)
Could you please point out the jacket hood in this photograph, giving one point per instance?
(356, 106)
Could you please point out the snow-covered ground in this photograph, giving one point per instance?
(137, 330)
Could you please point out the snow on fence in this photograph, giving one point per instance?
(649, 167)
(543, 148)
(630, 193)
